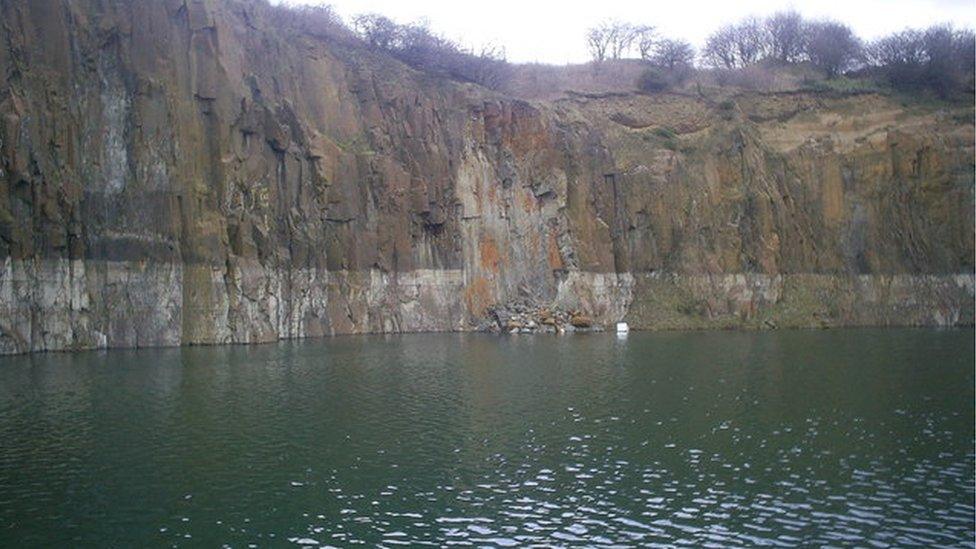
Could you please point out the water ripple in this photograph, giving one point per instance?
(859, 437)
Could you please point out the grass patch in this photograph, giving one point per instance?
(665, 132)
(356, 145)
(844, 85)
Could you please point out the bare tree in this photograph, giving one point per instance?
(948, 57)
(900, 56)
(901, 48)
(720, 49)
(965, 52)
(645, 38)
(832, 46)
(377, 30)
(736, 45)
(487, 67)
(673, 54)
(784, 35)
(750, 38)
(615, 32)
(598, 42)
(612, 39)
(418, 45)
(622, 38)
(939, 58)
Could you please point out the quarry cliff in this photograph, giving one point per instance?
(187, 172)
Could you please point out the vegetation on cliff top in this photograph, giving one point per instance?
(781, 51)
(939, 59)
(415, 44)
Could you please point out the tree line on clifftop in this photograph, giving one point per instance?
(940, 58)
(416, 44)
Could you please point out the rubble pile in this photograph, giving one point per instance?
(527, 317)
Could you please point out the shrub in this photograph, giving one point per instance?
(414, 44)
(377, 30)
(938, 58)
(832, 46)
(653, 80)
(673, 54)
(418, 46)
(320, 22)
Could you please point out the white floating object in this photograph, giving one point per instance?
(622, 328)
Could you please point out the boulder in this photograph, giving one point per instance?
(579, 320)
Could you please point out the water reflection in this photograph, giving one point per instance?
(860, 437)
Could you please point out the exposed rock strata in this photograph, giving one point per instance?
(184, 172)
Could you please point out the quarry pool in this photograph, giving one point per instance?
(840, 437)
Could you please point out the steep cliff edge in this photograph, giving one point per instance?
(185, 172)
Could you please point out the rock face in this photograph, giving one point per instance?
(186, 172)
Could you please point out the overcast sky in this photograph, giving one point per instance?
(552, 31)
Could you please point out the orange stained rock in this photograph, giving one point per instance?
(491, 259)
(477, 296)
(527, 201)
(553, 256)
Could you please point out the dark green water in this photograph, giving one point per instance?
(842, 437)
